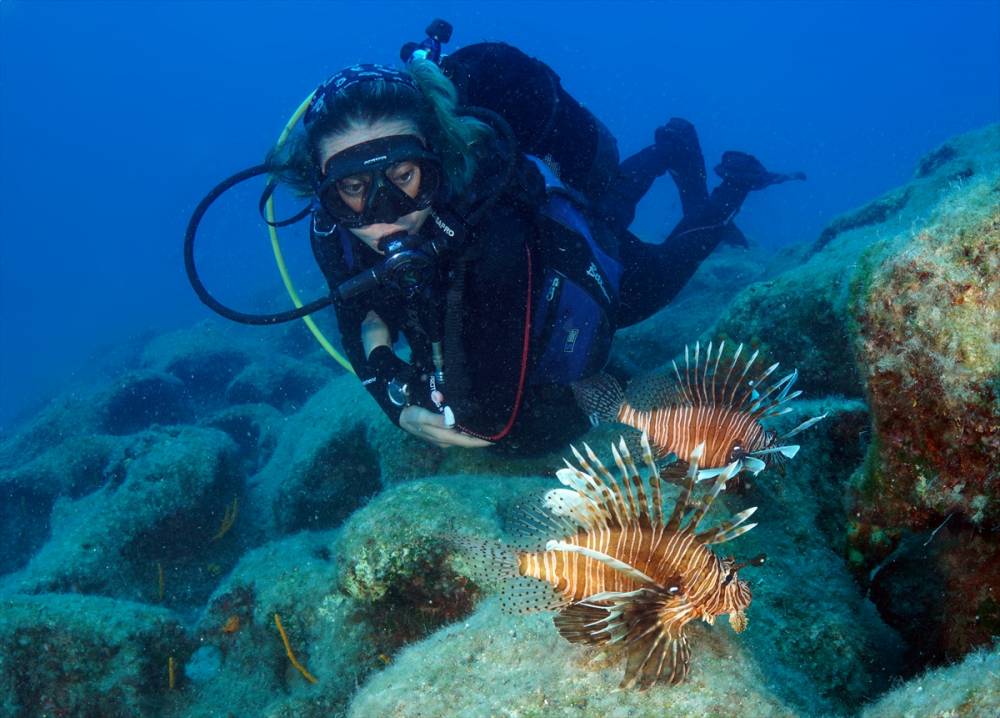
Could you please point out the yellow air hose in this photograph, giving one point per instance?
(280, 260)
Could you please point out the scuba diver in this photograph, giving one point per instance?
(471, 206)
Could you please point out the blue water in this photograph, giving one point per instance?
(115, 118)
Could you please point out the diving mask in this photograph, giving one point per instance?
(379, 181)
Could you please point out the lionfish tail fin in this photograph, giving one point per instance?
(599, 396)
(494, 565)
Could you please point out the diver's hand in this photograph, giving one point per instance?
(432, 428)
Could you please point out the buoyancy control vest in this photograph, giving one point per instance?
(574, 307)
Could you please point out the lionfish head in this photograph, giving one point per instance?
(735, 591)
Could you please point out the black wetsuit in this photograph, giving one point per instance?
(550, 122)
(485, 353)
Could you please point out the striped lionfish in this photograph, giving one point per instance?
(720, 409)
(621, 573)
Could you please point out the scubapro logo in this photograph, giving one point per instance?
(442, 226)
(375, 159)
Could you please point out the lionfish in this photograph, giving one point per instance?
(622, 573)
(721, 409)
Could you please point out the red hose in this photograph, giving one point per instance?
(524, 367)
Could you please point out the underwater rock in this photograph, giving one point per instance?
(330, 456)
(496, 664)
(204, 358)
(280, 381)
(969, 689)
(929, 345)
(86, 656)
(135, 537)
(295, 578)
(941, 590)
(254, 428)
(804, 317)
(72, 415)
(72, 468)
(394, 562)
(141, 399)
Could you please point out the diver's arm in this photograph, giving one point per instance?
(374, 368)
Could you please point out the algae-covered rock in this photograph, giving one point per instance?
(929, 346)
(495, 664)
(136, 535)
(254, 428)
(280, 381)
(205, 359)
(252, 674)
(140, 399)
(329, 457)
(803, 316)
(395, 559)
(86, 656)
(72, 468)
(970, 689)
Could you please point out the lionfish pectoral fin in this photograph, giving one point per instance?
(803, 426)
(655, 657)
(583, 623)
(599, 396)
(706, 474)
(753, 465)
(788, 451)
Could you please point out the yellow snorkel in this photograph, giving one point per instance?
(272, 231)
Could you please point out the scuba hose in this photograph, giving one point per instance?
(301, 311)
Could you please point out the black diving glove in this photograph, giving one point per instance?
(400, 383)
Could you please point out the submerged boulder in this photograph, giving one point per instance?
(804, 316)
(929, 348)
(329, 458)
(280, 381)
(495, 664)
(136, 537)
(87, 656)
(969, 689)
(928, 345)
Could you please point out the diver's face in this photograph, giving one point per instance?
(406, 176)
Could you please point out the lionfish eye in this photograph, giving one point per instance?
(736, 451)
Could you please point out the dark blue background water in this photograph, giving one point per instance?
(116, 117)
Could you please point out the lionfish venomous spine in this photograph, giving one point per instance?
(714, 403)
(622, 572)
